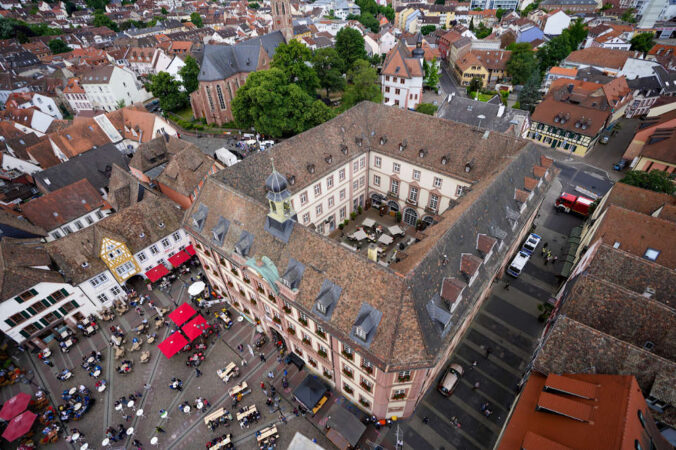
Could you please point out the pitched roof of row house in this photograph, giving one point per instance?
(493, 59)
(63, 205)
(97, 75)
(19, 223)
(399, 63)
(19, 262)
(638, 199)
(571, 117)
(186, 169)
(222, 61)
(124, 189)
(415, 321)
(601, 57)
(156, 152)
(638, 233)
(568, 411)
(139, 226)
(661, 145)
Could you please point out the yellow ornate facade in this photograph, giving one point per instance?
(119, 259)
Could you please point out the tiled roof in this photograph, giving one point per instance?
(19, 223)
(19, 259)
(186, 170)
(493, 59)
(565, 71)
(601, 57)
(638, 199)
(549, 109)
(661, 145)
(399, 63)
(137, 226)
(63, 205)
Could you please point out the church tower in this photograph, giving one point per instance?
(281, 18)
(281, 216)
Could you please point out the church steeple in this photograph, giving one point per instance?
(281, 216)
(281, 18)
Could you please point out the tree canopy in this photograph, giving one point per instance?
(522, 62)
(189, 74)
(275, 107)
(101, 20)
(530, 93)
(329, 67)
(363, 85)
(294, 60)
(350, 46)
(426, 108)
(12, 28)
(427, 29)
(58, 46)
(431, 79)
(167, 90)
(655, 180)
(481, 31)
(643, 42)
(196, 19)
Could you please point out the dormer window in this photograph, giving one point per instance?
(343, 148)
(421, 153)
(321, 307)
(328, 159)
(360, 332)
(311, 168)
(85, 265)
(358, 141)
(383, 140)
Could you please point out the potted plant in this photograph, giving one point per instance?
(313, 362)
(286, 309)
(291, 331)
(404, 378)
(347, 373)
(349, 356)
(320, 333)
(348, 389)
(276, 319)
(272, 298)
(234, 271)
(231, 284)
(322, 353)
(241, 292)
(254, 302)
(236, 303)
(260, 289)
(368, 369)
(327, 375)
(245, 310)
(353, 215)
(341, 225)
(307, 341)
(397, 216)
(303, 321)
(398, 396)
(360, 210)
(364, 403)
(365, 386)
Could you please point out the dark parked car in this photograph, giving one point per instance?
(621, 164)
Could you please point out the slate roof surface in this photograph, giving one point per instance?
(466, 110)
(223, 61)
(19, 223)
(156, 152)
(638, 199)
(406, 336)
(138, 227)
(18, 259)
(124, 189)
(94, 165)
(63, 205)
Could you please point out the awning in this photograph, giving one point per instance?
(368, 222)
(19, 426)
(385, 239)
(179, 258)
(196, 288)
(296, 360)
(181, 314)
(190, 250)
(15, 406)
(310, 391)
(173, 344)
(195, 327)
(346, 424)
(157, 272)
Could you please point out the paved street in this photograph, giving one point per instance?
(508, 325)
(448, 84)
(605, 156)
(181, 430)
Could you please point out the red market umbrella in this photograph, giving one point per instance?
(15, 406)
(181, 314)
(157, 272)
(19, 426)
(178, 259)
(190, 250)
(195, 327)
(173, 344)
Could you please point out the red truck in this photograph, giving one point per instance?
(573, 203)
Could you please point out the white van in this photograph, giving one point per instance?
(518, 263)
(225, 156)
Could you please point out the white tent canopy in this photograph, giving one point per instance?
(368, 223)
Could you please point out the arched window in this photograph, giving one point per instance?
(410, 216)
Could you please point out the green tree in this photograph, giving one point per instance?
(168, 90)
(196, 19)
(427, 29)
(606, 6)
(482, 31)
(70, 7)
(58, 46)
(275, 107)
(294, 60)
(329, 68)
(530, 93)
(363, 85)
(101, 20)
(426, 108)
(471, 24)
(552, 53)
(121, 104)
(499, 13)
(368, 6)
(96, 5)
(350, 46)
(522, 62)
(431, 79)
(655, 180)
(530, 8)
(367, 19)
(643, 42)
(189, 74)
(439, 2)
(475, 85)
(254, 5)
(386, 11)
(164, 11)
(628, 16)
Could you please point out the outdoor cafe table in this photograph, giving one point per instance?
(226, 373)
(268, 432)
(72, 390)
(77, 406)
(214, 416)
(249, 410)
(385, 239)
(64, 334)
(223, 443)
(238, 389)
(89, 329)
(395, 230)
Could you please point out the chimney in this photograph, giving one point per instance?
(501, 110)
(373, 252)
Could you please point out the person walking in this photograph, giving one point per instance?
(426, 420)
(159, 430)
(476, 386)
(488, 352)
(262, 356)
(198, 373)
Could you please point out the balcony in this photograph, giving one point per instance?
(276, 319)
(307, 341)
(348, 389)
(430, 210)
(365, 386)
(287, 310)
(303, 321)
(412, 202)
(398, 396)
(368, 369)
(322, 353)
(404, 379)
(347, 373)
(393, 195)
(349, 356)
(321, 334)
(291, 331)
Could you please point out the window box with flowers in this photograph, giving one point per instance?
(313, 363)
(367, 369)
(349, 356)
(322, 353)
(320, 333)
(364, 403)
(398, 395)
(245, 310)
(272, 298)
(231, 284)
(404, 378)
(261, 290)
(254, 302)
(348, 389)
(241, 292)
(348, 373)
(327, 375)
(246, 279)
(366, 387)
(236, 304)
(287, 309)
(234, 272)
(307, 341)
(276, 319)
(291, 331)
(303, 321)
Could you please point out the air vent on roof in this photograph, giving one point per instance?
(291, 179)
(142, 235)
(85, 265)
(649, 346)
(649, 292)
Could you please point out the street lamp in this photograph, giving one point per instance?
(480, 117)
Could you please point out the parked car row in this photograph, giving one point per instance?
(521, 259)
